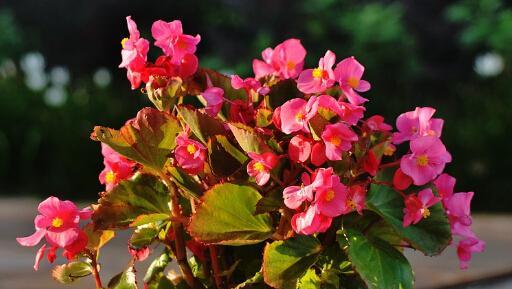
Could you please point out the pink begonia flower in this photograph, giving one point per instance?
(445, 185)
(331, 201)
(322, 178)
(299, 148)
(276, 118)
(57, 222)
(466, 248)
(163, 66)
(214, 97)
(348, 73)
(458, 209)
(376, 123)
(260, 165)
(117, 168)
(249, 84)
(295, 115)
(294, 196)
(337, 138)
(190, 154)
(416, 207)
(327, 106)
(351, 114)
(356, 198)
(426, 161)
(285, 61)
(169, 36)
(318, 157)
(318, 79)
(401, 181)
(310, 222)
(134, 54)
(417, 123)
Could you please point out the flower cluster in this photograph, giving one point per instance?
(286, 157)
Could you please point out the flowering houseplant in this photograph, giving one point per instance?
(276, 181)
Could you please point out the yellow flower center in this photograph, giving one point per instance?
(300, 116)
(110, 177)
(329, 196)
(351, 204)
(426, 213)
(318, 72)
(290, 65)
(191, 149)
(57, 222)
(259, 167)
(389, 150)
(353, 82)
(335, 140)
(422, 160)
(123, 42)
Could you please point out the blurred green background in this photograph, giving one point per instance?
(59, 75)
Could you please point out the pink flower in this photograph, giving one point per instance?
(169, 36)
(348, 73)
(351, 114)
(190, 154)
(299, 149)
(318, 79)
(214, 97)
(466, 248)
(327, 106)
(416, 123)
(285, 61)
(260, 166)
(117, 168)
(445, 185)
(426, 161)
(371, 163)
(58, 222)
(458, 209)
(295, 115)
(356, 198)
(331, 201)
(337, 138)
(249, 84)
(401, 181)
(416, 207)
(310, 222)
(376, 123)
(294, 196)
(318, 157)
(276, 118)
(134, 54)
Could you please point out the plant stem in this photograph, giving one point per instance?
(179, 240)
(217, 271)
(95, 273)
(393, 164)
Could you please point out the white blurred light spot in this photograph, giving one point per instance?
(489, 64)
(102, 77)
(59, 76)
(55, 96)
(7, 68)
(32, 62)
(36, 81)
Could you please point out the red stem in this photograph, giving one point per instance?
(95, 273)
(217, 271)
(389, 165)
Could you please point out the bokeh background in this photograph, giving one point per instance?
(59, 75)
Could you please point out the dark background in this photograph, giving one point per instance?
(416, 53)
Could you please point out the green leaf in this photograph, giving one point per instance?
(148, 139)
(70, 272)
(226, 216)
(157, 267)
(379, 264)
(202, 125)
(142, 195)
(148, 219)
(284, 262)
(317, 125)
(263, 117)
(185, 182)
(124, 280)
(97, 238)
(224, 158)
(143, 237)
(309, 281)
(430, 235)
(248, 139)
(167, 92)
(272, 202)
(283, 91)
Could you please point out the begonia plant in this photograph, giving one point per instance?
(272, 181)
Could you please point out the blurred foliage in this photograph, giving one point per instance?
(416, 53)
